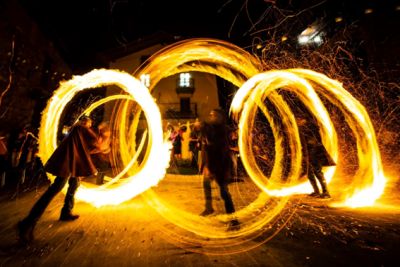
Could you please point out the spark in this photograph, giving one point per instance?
(268, 212)
(243, 70)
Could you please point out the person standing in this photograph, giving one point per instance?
(194, 145)
(68, 162)
(216, 164)
(177, 139)
(315, 156)
(25, 159)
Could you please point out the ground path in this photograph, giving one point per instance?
(129, 235)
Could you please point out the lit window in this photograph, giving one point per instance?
(311, 35)
(368, 11)
(145, 79)
(318, 39)
(184, 80)
(304, 39)
(338, 19)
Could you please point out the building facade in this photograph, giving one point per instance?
(182, 98)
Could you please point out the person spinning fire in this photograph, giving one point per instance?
(315, 156)
(70, 161)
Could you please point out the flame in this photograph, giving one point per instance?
(245, 71)
(158, 150)
(370, 176)
(250, 97)
(370, 172)
(236, 66)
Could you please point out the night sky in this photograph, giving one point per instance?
(82, 29)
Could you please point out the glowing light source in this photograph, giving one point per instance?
(157, 157)
(145, 79)
(338, 19)
(303, 39)
(234, 65)
(244, 71)
(310, 35)
(317, 39)
(368, 11)
(184, 80)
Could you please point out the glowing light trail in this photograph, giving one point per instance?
(253, 92)
(370, 173)
(235, 65)
(158, 151)
(245, 71)
(133, 160)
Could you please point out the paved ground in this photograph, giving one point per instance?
(132, 234)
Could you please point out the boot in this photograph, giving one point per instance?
(322, 181)
(100, 178)
(68, 217)
(325, 195)
(234, 225)
(207, 212)
(315, 187)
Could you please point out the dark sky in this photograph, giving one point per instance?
(83, 28)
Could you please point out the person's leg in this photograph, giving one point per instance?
(173, 161)
(195, 159)
(226, 196)
(192, 161)
(234, 224)
(40, 206)
(321, 178)
(207, 193)
(100, 177)
(25, 227)
(313, 182)
(69, 201)
(234, 166)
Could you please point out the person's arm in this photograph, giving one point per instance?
(236, 149)
(233, 145)
(91, 137)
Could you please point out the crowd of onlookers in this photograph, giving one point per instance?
(20, 167)
(176, 136)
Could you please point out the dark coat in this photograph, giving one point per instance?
(72, 156)
(215, 150)
(314, 151)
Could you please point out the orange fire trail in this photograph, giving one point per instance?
(158, 155)
(367, 190)
(245, 71)
(370, 173)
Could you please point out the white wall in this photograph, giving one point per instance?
(205, 94)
